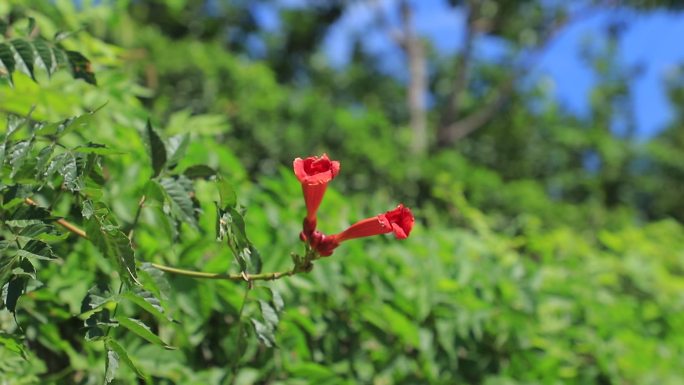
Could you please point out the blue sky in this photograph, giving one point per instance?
(649, 41)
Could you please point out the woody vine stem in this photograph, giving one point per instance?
(301, 265)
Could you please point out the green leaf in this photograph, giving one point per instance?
(15, 288)
(46, 55)
(157, 149)
(69, 171)
(97, 297)
(81, 68)
(103, 232)
(176, 148)
(14, 123)
(7, 61)
(8, 260)
(95, 148)
(35, 230)
(42, 160)
(17, 155)
(111, 365)
(24, 56)
(230, 226)
(227, 195)
(26, 215)
(278, 302)
(199, 171)
(179, 197)
(264, 332)
(18, 55)
(74, 123)
(122, 354)
(148, 302)
(87, 209)
(139, 328)
(12, 343)
(312, 371)
(155, 281)
(36, 249)
(30, 29)
(269, 314)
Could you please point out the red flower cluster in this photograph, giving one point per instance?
(314, 173)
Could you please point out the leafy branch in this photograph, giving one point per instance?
(301, 265)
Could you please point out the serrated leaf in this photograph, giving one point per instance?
(123, 356)
(142, 330)
(15, 288)
(69, 171)
(278, 302)
(42, 160)
(199, 171)
(269, 314)
(81, 68)
(8, 260)
(96, 297)
(157, 149)
(177, 145)
(62, 127)
(87, 209)
(180, 200)
(148, 302)
(17, 155)
(33, 231)
(14, 123)
(157, 281)
(264, 333)
(26, 215)
(113, 243)
(46, 55)
(93, 330)
(231, 227)
(111, 366)
(36, 249)
(7, 61)
(20, 55)
(23, 57)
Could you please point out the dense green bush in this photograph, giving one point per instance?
(499, 283)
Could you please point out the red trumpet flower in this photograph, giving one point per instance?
(398, 221)
(314, 173)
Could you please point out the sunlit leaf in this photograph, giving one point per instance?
(142, 330)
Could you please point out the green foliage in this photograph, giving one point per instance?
(510, 276)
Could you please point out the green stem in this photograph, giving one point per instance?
(138, 211)
(300, 267)
(228, 277)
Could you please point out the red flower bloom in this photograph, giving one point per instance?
(398, 221)
(314, 173)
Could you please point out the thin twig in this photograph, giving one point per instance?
(138, 211)
(190, 273)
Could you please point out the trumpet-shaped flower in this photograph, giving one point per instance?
(398, 221)
(314, 173)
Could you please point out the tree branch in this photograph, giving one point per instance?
(415, 52)
(449, 133)
(191, 273)
(471, 12)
